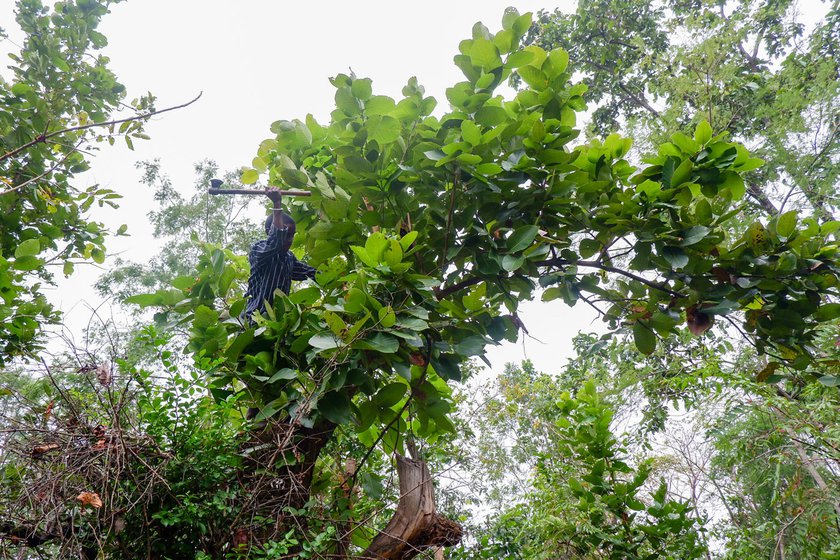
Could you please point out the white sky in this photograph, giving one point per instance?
(257, 61)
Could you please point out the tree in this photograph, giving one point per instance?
(182, 224)
(57, 108)
(743, 66)
(570, 487)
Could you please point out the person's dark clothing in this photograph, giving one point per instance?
(273, 267)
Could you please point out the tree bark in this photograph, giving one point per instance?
(416, 525)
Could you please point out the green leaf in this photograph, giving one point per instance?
(559, 60)
(361, 88)
(324, 341)
(830, 380)
(484, 54)
(390, 394)
(489, 169)
(143, 300)
(644, 338)
(491, 115)
(694, 235)
(239, 344)
(512, 262)
(27, 263)
(522, 238)
(364, 256)
(534, 77)
(786, 224)
(28, 248)
(588, 247)
(675, 256)
(446, 365)
(283, 374)
(355, 300)
(827, 312)
(509, 18)
(306, 296)
(703, 133)
(750, 164)
(473, 301)
(21, 88)
(346, 102)
(519, 59)
(249, 176)
(408, 239)
(380, 105)
(335, 407)
(379, 342)
(703, 211)
(295, 178)
(470, 132)
(682, 173)
(387, 317)
(383, 129)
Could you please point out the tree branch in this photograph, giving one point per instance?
(607, 268)
(44, 137)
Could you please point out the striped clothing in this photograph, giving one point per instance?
(272, 268)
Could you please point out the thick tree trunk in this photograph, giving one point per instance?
(278, 471)
(416, 525)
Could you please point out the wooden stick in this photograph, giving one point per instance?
(256, 192)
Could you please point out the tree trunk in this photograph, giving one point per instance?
(416, 525)
(278, 472)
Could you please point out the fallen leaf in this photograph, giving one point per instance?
(40, 449)
(90, 499)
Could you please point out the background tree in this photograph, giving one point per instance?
(59, 105)
(746, 67)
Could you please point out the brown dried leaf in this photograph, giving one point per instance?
(722, 275)
(41, 449)
(90, 499)
(417, 359)
(698, 322)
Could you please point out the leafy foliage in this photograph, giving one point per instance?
(428, 232)
(583, 497)
(743, 66)
(59, 91)
(180, 222)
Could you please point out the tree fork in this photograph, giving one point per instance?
(416, 526)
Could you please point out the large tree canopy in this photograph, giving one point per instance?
(429, 231)
(744, 66)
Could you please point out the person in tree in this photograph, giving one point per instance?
(273, 266)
